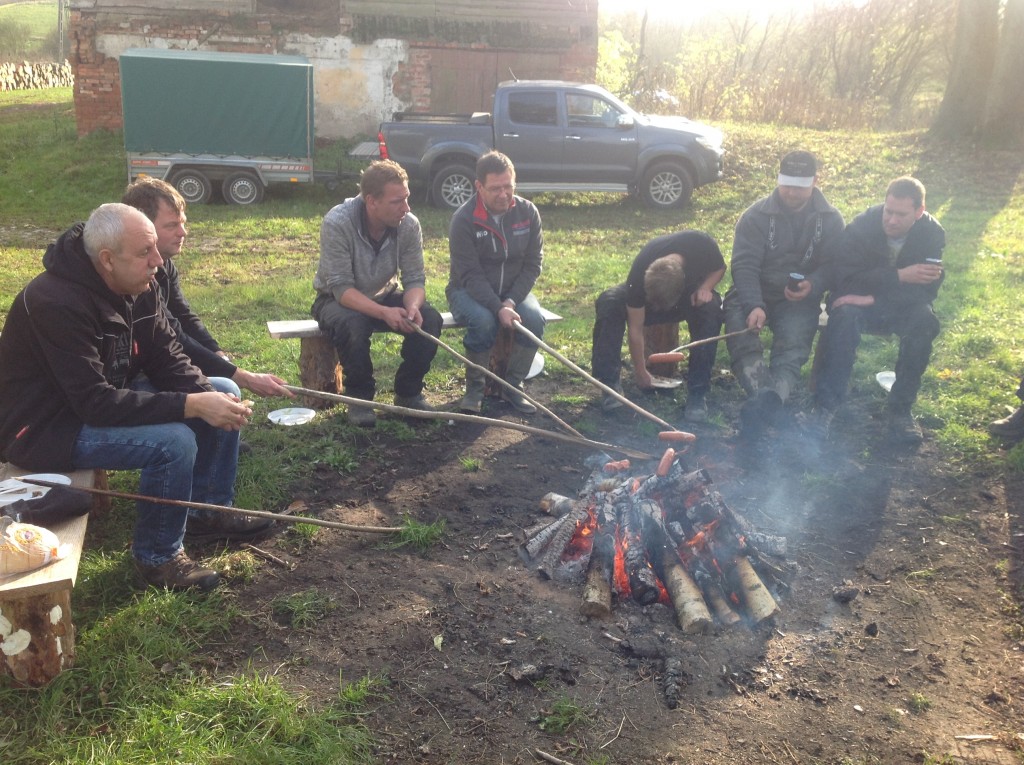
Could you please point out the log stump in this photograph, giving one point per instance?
(319, 369)
(661, 338)
(40, 641)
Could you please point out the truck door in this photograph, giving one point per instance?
(600, 141)
(530, 134)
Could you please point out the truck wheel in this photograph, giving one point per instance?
(666, 186)
(242, 189)
(452, 185)
(193, 185)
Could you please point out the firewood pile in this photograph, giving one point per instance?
(666, 536)
(29, 76)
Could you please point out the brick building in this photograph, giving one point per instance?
(370, 58)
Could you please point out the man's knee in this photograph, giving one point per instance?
(177, 443)
(432, 320)
(224, 385)
(923, 324)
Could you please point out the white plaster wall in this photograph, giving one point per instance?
(352, 83)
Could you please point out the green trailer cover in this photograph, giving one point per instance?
(225, 104)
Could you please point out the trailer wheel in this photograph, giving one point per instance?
(242, 188)
(452, 185)
(193, 185)
(666, 186)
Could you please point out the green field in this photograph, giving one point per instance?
(244, 266)
(37, 18)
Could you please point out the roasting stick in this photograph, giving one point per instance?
(493, 376)
(224, 509)
(606, 388)
(671, 357)
(477, 419)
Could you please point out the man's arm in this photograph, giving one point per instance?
(748, 260)
(533, 260)
(466, 272)
(635, 340)
(704, 292)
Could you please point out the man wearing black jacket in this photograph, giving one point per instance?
(162, 204)
(76, 344)
(888, 270)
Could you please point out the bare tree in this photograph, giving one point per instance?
(1004, 107)
(974, 56)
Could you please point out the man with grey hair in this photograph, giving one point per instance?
(77, 342)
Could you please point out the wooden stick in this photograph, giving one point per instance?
(497, 379)
(707, 340)
(224, 509)
(606, 388)
(460, 417)
(551, 758)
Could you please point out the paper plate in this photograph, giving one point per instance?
(294, 415)
(665, 382)
(13, 489)
(886, 379)
(536, 367)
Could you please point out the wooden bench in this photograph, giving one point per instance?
(37, 635)
(318, 361)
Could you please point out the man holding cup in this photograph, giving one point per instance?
(888, 270)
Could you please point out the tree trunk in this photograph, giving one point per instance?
(1004, 108)
(977, 29)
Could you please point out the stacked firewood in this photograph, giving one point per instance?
(665, 536)
(29, 76)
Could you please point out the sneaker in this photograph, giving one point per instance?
(179, 573)
(904, 429)
(1009, 427)
(224, 526)
(696, 409)
(362, 416)
(414, 402)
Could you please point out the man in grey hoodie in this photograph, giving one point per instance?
(785, 233)
(366, 244)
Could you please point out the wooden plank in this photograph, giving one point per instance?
(283, 330)
(56, 576)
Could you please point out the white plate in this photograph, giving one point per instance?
(886, 379)
(536, 367)
(294, 415)
(13, 489)
(666, 383)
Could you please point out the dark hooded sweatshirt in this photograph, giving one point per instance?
(68, 353)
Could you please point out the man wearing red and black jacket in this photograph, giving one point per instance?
(497, 250)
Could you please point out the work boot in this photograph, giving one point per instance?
(179, 573)
(903, 428)
(759, 412)
(224, 526)
(476, 380)
(417, 402)
(1011, 427)
(362, 416)
(519, 363)
(696, 410)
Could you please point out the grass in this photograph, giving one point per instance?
(37, 19)
(564, 715)
(141, 691)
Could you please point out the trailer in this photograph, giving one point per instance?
(202, 119)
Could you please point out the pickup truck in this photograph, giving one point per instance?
(560, 136)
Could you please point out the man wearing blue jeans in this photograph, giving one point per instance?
(77, 341)
(496, 250)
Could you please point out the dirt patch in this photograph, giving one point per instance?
(928, 651)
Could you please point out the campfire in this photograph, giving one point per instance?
(665, 537)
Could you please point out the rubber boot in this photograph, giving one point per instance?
(475, 381)
(519, 363)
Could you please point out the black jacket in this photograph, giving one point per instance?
(862, 262)
(68, 352)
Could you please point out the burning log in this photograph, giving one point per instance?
(597, 592)
(691, 611)
(643, 584)
(555, 504)
(759, 602)
(724, 613)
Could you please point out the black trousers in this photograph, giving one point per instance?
(610, 329)
(350, 333)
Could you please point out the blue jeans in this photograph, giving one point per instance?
(482, 325)
(191, 461)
